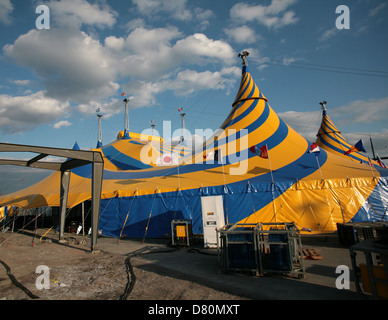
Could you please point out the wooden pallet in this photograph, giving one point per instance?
(311, 254)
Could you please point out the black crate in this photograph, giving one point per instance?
(241, 256)
(347, 234)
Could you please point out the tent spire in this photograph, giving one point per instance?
(99, 137)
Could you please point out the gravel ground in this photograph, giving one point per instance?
(77, 274)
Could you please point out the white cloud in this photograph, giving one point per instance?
(107, 109)
(86, 72)
(21, 82)
(175, 9)
(74, 13)
(197, 46)
(328, 34)
(89, 74)
(22, 113)
(149, 54)
(242, 34)
(63, 123)
(189, 81)
(362, 111)
(6, 9)
(183, 83)
(273, 16)
(376, 10)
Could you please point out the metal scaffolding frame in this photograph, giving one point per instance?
(75, 158)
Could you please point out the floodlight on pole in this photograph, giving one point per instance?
(99, 135)
(183, 127)
(323, 104)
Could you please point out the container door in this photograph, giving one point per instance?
(212, 219)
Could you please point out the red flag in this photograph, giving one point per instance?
(180, 109)
(314, 148)
(380, 162)
(359, 146)
(264, 152)
(123, 94)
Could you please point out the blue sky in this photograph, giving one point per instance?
(183, 53)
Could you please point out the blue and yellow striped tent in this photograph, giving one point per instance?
(286, 183)
(331, 139)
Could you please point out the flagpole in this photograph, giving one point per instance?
(223, 175)
(222, 165)
(179, 181)
(270, 168)
(371, 167)
(319, 167)
(272, 185)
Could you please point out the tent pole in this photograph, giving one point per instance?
(83, 218)
(272, 185)
(373, 149)
(98, 169)
(65, 182)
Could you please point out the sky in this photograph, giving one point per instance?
(173, 54)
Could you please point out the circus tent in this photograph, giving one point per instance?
(263, 170)
(329, 137)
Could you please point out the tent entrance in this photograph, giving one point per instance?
(212, 219)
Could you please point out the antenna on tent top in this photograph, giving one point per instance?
(244, 56)
(152, 126)
(183, 127)
(126, 119)
(323, 104)
(99, 137)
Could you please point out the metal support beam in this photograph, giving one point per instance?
(65, 182)
(75, 158)
(37, 158)
(98, 169)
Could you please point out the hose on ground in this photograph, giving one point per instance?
(16, 283)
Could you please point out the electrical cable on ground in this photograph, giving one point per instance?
(131, 277)
(16, 283)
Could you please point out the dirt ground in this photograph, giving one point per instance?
(77, 274)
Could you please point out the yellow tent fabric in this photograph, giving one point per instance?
(316, 191)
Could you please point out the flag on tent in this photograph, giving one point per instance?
(180, 109)
(359, 146)
(211, 156)
(263, 151)
(380, 162)
(314, 148)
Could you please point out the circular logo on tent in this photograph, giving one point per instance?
(166, 159)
